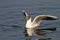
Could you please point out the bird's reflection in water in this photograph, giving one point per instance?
(44, 39)
(29, 32)
(44, 31)
(41, 32)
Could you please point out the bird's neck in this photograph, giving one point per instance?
(29, 22)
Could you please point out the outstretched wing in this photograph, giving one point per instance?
(39, 18)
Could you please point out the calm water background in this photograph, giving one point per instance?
(12, 22)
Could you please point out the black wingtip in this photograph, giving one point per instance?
(24, 12)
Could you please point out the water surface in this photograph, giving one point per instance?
(12, 22)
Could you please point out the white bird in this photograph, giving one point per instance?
(31, 25)
(37, 20)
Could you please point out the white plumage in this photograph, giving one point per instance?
(36, 22)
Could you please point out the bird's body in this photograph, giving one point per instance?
(36, 22)
(29, 23)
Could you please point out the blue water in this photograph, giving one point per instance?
(12, 22)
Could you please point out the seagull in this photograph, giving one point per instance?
(35, 23)
(37, 20)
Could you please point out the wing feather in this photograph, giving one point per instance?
(39, 18)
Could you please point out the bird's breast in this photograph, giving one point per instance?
(28, 25)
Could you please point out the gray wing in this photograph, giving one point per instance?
(39, 18)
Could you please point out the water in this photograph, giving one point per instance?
(12, 22)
